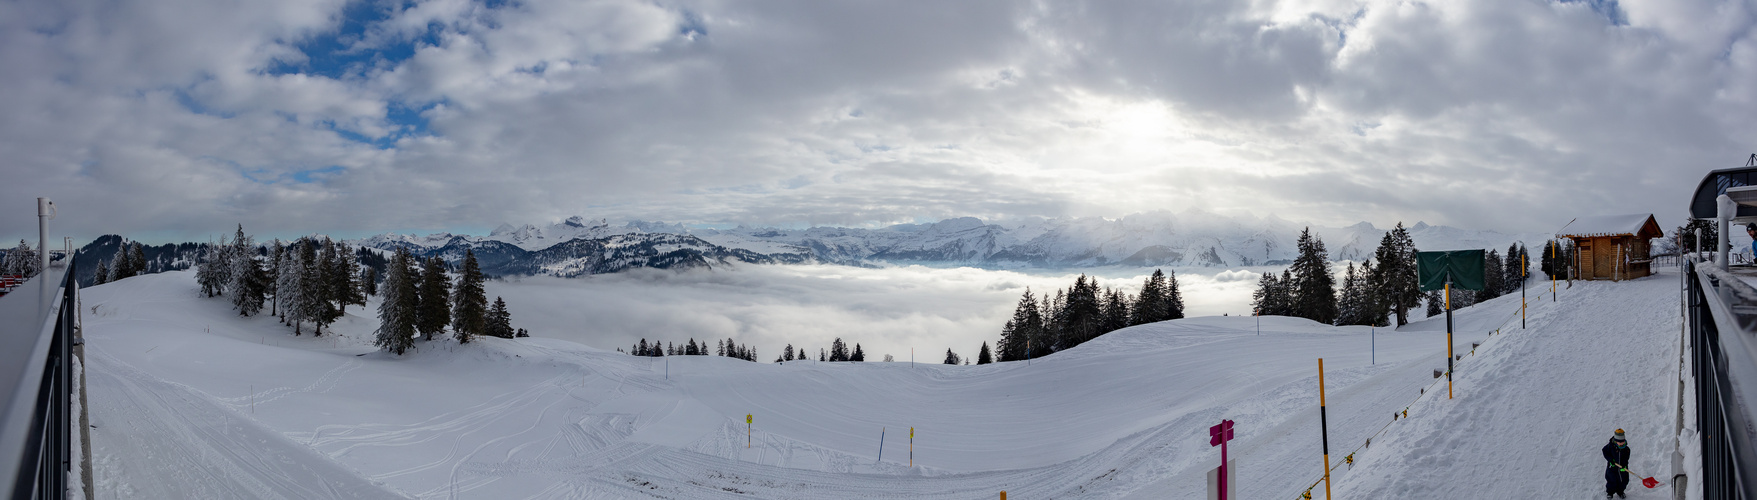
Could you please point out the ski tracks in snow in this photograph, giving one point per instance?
(155, 439)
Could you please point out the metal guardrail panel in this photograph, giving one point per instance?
(1723, 331)
(28, 322)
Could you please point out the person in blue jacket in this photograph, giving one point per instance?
(1616, 474)
(1751, 230)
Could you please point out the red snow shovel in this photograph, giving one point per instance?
(1648, 482)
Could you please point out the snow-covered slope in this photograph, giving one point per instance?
(247, 410)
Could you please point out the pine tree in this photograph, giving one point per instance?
(287, 286)
(1025, 325)
(344, 279)
(1348, 310)
(1115, 312)
(1374, 308)
(1399, 285)
(277, 256)
(435, 309)
(1150, 303)
(1435, 301)
(246, 274)
(787, 353)
(1314, 289)
(500, 320)
(983, 357)
(396, 315)
(1512, 276)
(469, 301)
(322, 305)
(20, 261)
(136, 259)
(1492, 283)
(1263, 298)
(858, 356)
(368, 281)
(211, 271)
(1174, 299)
(102, 275)
(838, 350)
(952, 357)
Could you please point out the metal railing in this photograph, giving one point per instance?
(36, 341)
(1721, 321)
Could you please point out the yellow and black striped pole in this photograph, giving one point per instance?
(1324, 427)
(1449, 339)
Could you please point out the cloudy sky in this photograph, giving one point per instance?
(174, 119)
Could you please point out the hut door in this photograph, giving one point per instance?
(1604, 262)
(1587, 260)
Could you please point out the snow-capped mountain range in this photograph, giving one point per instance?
(1195, 238)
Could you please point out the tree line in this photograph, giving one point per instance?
(315, 279)
(1082, 312)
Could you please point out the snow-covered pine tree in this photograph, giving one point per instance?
(245, 275)
(787, 353)
(720, 347)
(500, 320)
(207, 273)
(1435, 302)
(103, 273)
(1314, 288)
(641, 348)
(952, 357)
(287, 286)
(277, 255)
(983, 357)
(396, 315)
(435, 311)
(859, 356)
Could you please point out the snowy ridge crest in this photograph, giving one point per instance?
(1193, 238)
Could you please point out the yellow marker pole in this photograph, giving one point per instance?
(911, 446)
(1324, 427)
(1003, 495)
(747, 420)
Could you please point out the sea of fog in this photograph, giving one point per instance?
(887, 311)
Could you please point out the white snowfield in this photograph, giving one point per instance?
(191, 401)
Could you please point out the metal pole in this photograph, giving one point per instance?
(45, 209)
(1324, 427)
(1448, 338)
(1523, 266)
(1727, 210)
(1374, 333)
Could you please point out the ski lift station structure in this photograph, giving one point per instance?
(1613, 247)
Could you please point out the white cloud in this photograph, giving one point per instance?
(1493, 114)
(886, 311)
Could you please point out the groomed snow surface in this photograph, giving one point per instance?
(188, 400)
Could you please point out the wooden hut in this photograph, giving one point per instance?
(1613, 247)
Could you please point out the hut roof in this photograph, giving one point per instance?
(1639, 225)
